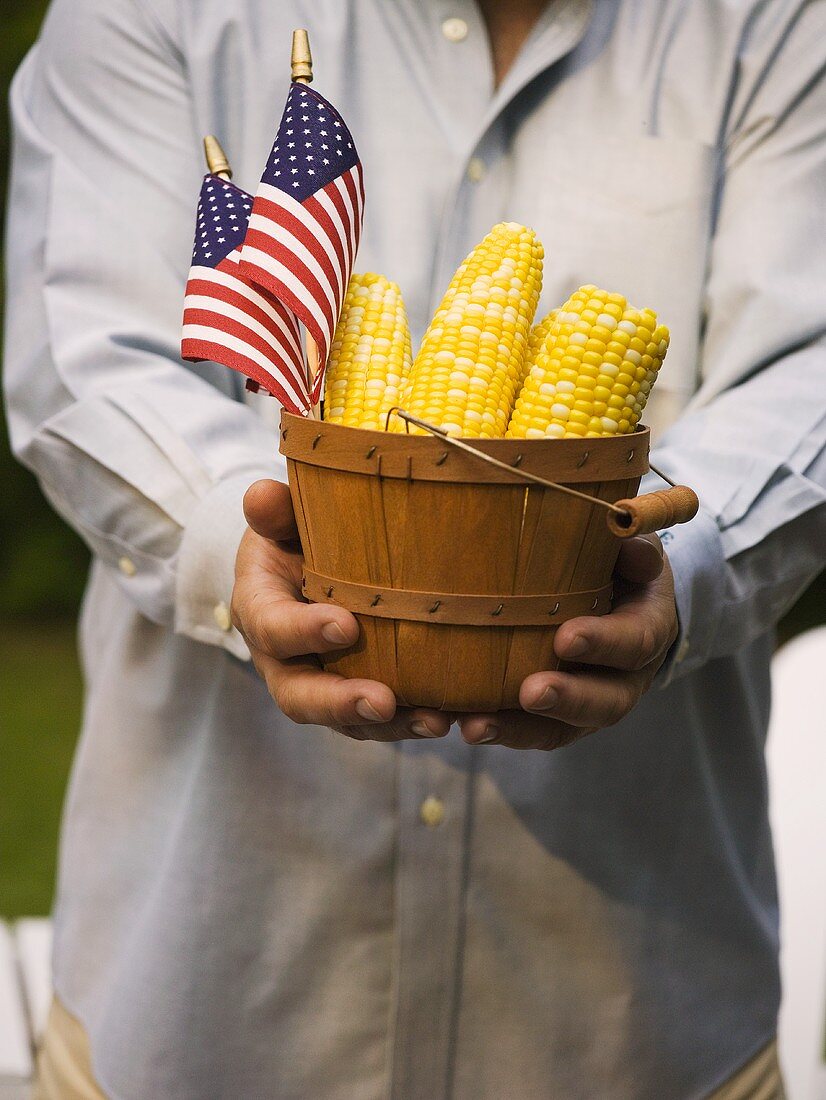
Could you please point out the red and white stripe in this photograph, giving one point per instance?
(303, 253)
(228, 321)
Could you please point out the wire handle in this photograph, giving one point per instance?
(639, 516)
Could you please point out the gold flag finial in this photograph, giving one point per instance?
(301, 61)
(216, 158)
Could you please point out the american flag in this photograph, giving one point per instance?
(306, 219)
(227, 318)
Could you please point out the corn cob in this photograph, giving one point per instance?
(471, 363)
(537, 337)
(594, 371)
(370, 354)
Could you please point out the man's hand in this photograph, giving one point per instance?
(284, 633)
(616, 656)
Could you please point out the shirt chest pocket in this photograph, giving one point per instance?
(632, 215)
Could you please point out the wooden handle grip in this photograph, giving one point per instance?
(654, 511)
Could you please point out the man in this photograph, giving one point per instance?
(251, 906)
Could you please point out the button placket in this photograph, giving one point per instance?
(473, 206)
(451, 60)
(560, 30)
(435, 784)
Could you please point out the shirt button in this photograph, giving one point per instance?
(454, 30)
(682, 651)
(222, 617)
(476, 169)
(432, 811)
(127, 567)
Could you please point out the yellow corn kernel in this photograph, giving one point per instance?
(370, 356)
(537, 337)
(478, 340)
(594, 370)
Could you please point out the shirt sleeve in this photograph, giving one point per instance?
(146, 457)
(752, 441)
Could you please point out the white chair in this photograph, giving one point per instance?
(796, 756)
(33, 938)
(15, 1046)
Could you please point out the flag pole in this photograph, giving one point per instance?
(301, 70)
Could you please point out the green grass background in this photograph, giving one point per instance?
(39, 716)
(42, 570)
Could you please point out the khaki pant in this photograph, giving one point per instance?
(64, 1070)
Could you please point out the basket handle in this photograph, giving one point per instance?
(637, 516)
(646, 514)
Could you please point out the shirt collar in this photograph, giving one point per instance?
(558, 31)
(457, 78)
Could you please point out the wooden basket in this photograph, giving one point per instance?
(458, 571)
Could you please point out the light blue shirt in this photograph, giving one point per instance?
(248, 908)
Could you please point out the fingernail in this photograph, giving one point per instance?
(490, 735)
(546, 700)
(332, 632)
(422, 729)
(577, 646)
(366, 710)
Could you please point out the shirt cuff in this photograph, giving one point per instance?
(695, 552)
(205, 571)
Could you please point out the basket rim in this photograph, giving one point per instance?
(425, 457)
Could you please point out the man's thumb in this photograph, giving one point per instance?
(269, 510)
(640, 559)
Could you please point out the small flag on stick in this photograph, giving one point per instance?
(227, 318)
(306, 219)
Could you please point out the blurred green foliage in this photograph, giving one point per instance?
(42, 570)
(40, 704)
(43, 564)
